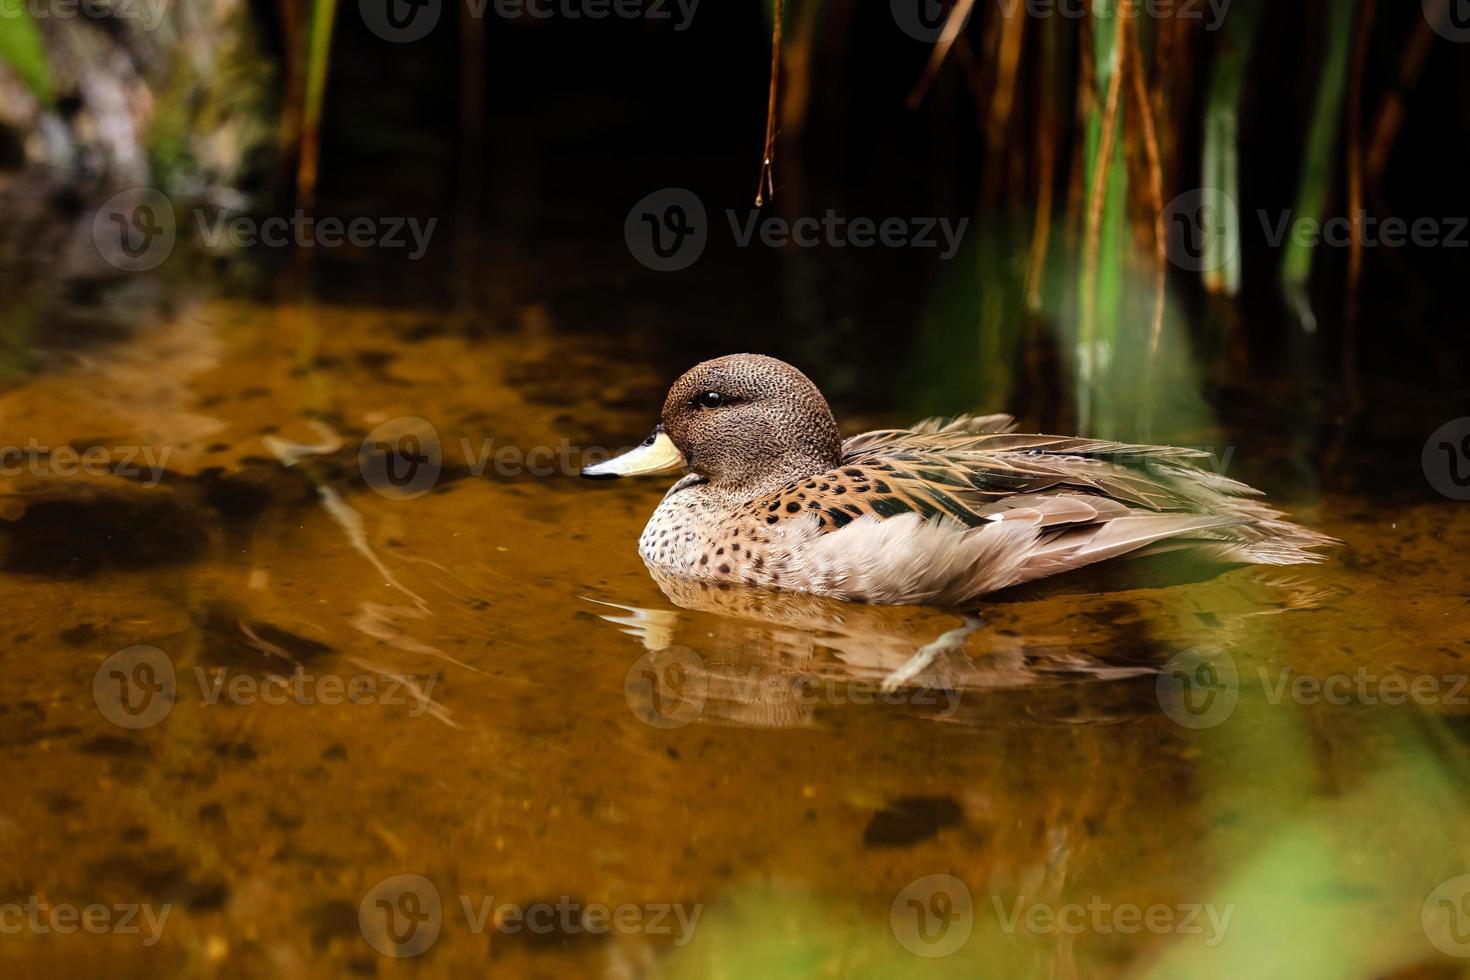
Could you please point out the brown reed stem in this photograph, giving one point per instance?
(766, 183)
(1155, 181)
(952, 24)
(1101, 169)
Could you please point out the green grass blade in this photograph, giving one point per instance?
(1221, 153)
(1318, 166)
(318, 59)
(21, 49)
(1098, 334)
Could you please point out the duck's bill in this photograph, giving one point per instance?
(658, 454)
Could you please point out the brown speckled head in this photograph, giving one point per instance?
(748, 423)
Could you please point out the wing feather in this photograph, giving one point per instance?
(1087, 499)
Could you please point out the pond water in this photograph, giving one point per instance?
(311, 713)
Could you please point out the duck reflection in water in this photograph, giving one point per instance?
(764, 658)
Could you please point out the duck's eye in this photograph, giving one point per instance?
(710, 399)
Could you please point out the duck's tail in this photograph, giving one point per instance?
(1255, 533)
(1264, 536)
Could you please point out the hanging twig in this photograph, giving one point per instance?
(766, 186)
(958, 15)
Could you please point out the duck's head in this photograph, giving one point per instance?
(745, 423)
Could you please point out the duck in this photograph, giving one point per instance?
(771, 496)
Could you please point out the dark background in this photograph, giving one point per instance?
(532, 172)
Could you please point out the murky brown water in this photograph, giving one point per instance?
(489, 692)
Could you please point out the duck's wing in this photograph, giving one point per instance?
(974, 477)
(954, 513)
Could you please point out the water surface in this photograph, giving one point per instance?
(535, 720)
